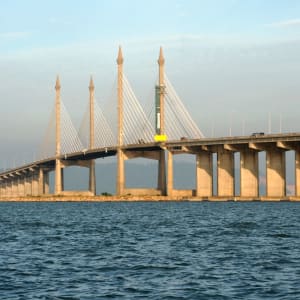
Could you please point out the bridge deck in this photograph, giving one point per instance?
(88, 154)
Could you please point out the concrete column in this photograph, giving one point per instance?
(62, 175)
(46, 183)
(120, 172)
(92, 177)
(35, 184)
(297, 172)
(28, 181)
(14, 187)
(2, 188)
(21, 186)
(162, 182)
(9, 188)
(249, 173)
(5, 192)
(276, 172)
(225, 173)
(58, 177)
(170, 174)
(41, 181)
(204, 174)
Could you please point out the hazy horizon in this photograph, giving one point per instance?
(234, 63)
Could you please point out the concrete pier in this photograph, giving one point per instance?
(204, 174)
(297, 172)
(170, 177)
(276, 184)
(249, 173)
(225, 173)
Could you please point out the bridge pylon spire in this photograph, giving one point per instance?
(92, 113)
(120, 108)
(160, 94)
(160, 121)
(92, 175)
(58, 169)
(120, 61)
(57, 115)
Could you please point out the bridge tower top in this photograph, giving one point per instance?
(92, 113)
(120, 61)
(160, 99)
(57, 116)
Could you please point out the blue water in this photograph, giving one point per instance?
(177, 250)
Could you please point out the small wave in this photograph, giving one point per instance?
(243, 225)
(282, 235)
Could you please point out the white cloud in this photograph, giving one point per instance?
(287, 23)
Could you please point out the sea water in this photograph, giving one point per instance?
(150, 250)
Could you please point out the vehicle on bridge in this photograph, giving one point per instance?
(255, 134)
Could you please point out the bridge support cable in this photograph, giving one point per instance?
(84, 128)
(104, 136)
(47, 147)
(110, 113)
(70, 141)
(103, 133)
(179, 123)
(137, 127)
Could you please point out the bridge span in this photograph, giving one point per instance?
(33, 179)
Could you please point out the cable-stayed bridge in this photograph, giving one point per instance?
(125, 130)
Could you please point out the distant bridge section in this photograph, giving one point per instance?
(131, 135)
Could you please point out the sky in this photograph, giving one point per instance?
(234, 63)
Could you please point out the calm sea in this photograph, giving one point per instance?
(164, 250)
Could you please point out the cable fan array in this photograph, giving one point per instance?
(178, 122)
(137, 128)
(136, 125)
(104, 136)
(70, 141)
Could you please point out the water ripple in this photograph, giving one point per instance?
(149, 250)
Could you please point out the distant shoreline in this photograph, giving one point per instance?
(84, 198)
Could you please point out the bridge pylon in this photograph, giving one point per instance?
(58, 166)
(92, 175)
(160, 122)
(120, 155)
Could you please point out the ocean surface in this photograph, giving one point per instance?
(154, 250)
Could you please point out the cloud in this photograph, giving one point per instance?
(14, 35)
(287, 23)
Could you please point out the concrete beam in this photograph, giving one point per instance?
(285, 145)
(78, 163)
(144, 154)
(205, 148)
(256, 146)
(232, 148)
